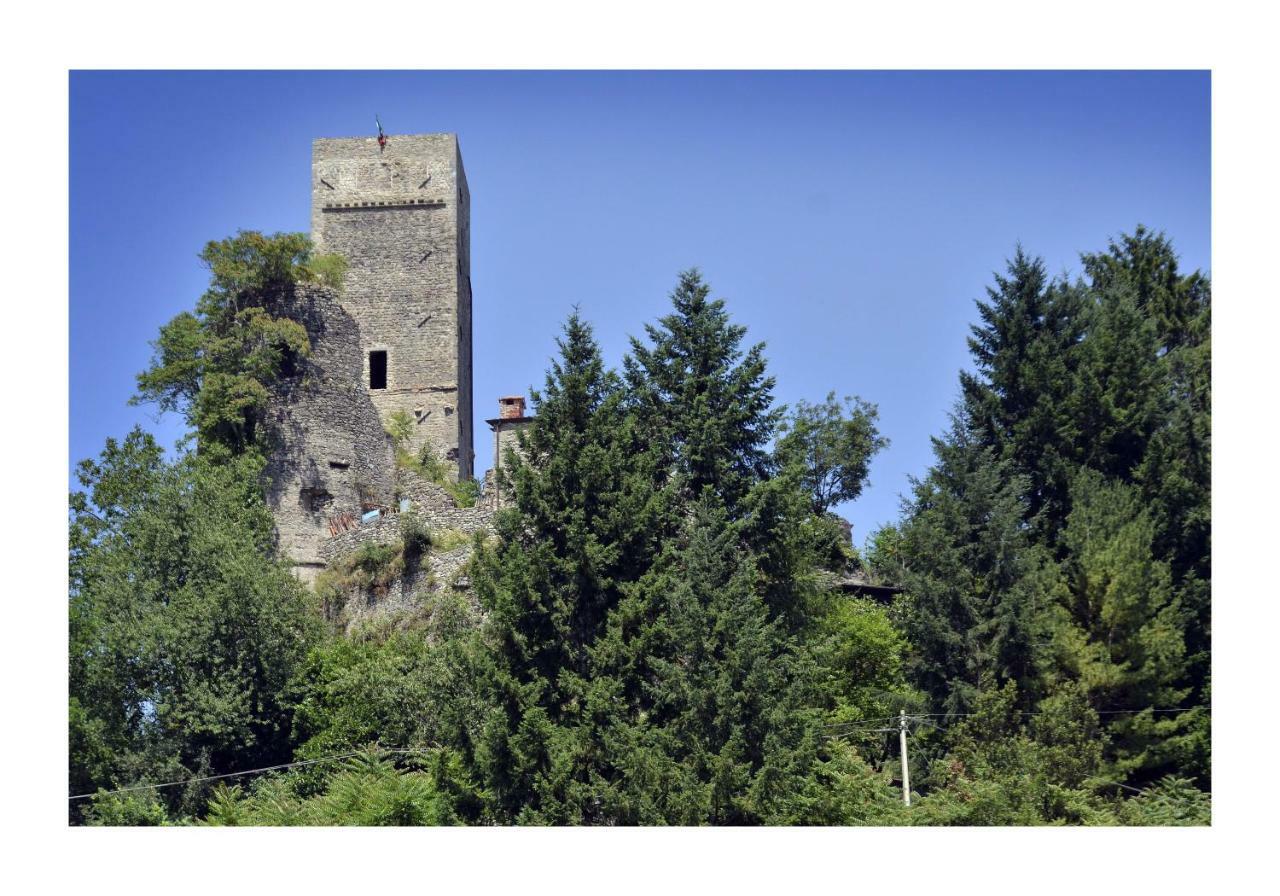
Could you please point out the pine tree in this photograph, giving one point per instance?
(710, 723)
(1145, 263)
(1118, 397)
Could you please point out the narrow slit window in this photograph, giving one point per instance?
(377, 370)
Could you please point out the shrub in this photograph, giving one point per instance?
(414, 535)
(465, 493)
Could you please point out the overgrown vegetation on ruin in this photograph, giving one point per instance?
(427, 463)
(216, 365)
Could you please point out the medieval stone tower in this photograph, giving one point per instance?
(400, 214)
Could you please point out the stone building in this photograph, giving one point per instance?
(396, 338)
(400, 215)
(506, 428)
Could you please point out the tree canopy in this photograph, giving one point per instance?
(661, 630)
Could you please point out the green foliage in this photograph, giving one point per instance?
(429, 465)
(859, 661)
(369, 791)
(1025, 353)
(710, 690)
(371, 566)
(832, 443)
(1169, 802)
(400, 428)
(584, 520)
(407, 687)
(646, 670)
(654, 643)
(704, 400)
(184, 628)
(141, 809)
(464, 493)
(972, 575)
(217, 366)
(1061, 541)
(446, 540)
(415, 537)
(998, 771)
(1124, 641)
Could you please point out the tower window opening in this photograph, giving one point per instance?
(378, 370)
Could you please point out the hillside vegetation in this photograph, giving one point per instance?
(654, 637)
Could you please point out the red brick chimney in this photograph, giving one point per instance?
(511, 407)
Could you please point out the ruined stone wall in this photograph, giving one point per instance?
(400, 216)
(431, 504)
(413, 593)
(432, 572)
(330, 451)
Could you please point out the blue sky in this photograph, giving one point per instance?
(848, 218)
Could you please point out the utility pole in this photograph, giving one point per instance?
(902, 742)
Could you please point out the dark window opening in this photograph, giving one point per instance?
(377, 370)
(288, 363)
(314, 498)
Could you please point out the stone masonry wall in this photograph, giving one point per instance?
(400, 216)
(331, 452)
(430, 503)
(466, 410)
(434, 571)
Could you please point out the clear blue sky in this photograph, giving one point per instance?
(849, 219)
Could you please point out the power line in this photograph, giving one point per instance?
(841, 729)
(1101, 712)
(252, 771)
(859, 731)
(860, 722)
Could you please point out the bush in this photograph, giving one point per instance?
(400, 428)
(414, 535)
(137, 809)
(465, 493)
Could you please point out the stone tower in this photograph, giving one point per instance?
(400, 215)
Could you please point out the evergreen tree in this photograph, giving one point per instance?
(1174, 471)
(709, 721)
(585, 519)
(1125, 642)
(1118, 400)
(1145, 263)
(702, 397)
(973, 576)
(1024, 352)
